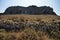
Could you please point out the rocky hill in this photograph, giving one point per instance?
(42, 23)
(30, 10)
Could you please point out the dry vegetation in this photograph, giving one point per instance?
(45, 18)
(28, 32)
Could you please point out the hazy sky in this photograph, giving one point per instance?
(55, 4)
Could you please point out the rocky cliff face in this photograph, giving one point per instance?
(29, 10)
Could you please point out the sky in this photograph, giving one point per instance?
(55, 4)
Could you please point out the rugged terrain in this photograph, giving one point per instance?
(29, 27)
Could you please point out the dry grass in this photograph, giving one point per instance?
(30, 17)
(45, 18)
(27, 33)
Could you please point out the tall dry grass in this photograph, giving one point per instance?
(28, 33)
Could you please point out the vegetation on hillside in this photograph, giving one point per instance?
(29, 27)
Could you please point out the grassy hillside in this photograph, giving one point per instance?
(44, 18)
(32, 27)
